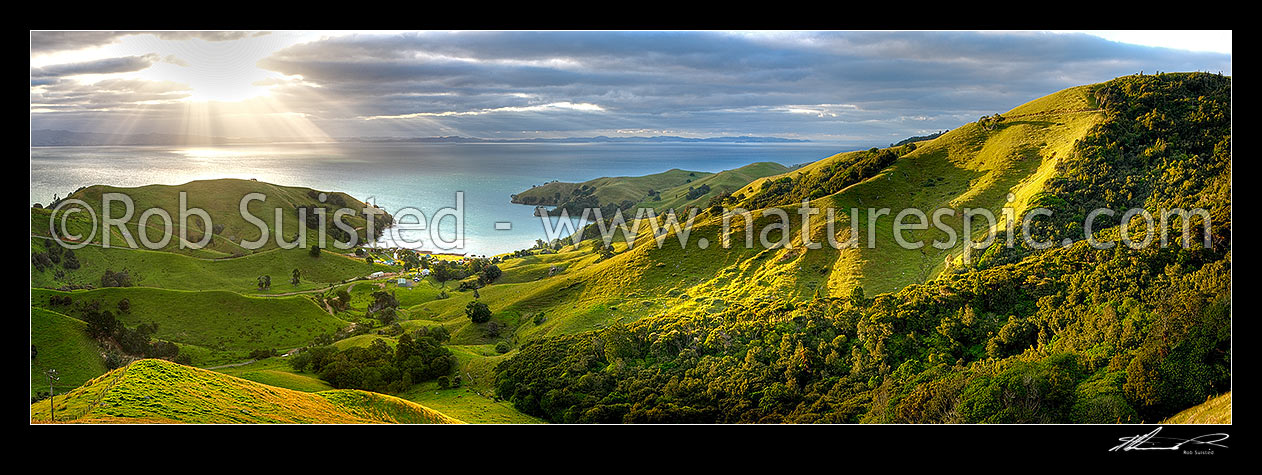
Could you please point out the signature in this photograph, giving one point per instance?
(1151, 441)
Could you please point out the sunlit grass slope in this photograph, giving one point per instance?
(973, 166)
(161, 391)
(1213, 411)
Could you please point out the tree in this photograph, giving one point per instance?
(489, 274)
(296, 277)
(441, 272)
(478, 312)
(116, 279)
(386, 316)
(265, 282)
(343, 299)
(315, 251)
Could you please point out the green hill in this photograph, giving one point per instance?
(169, 270)
(61, 344)
(886, 334)
(221, 200)
(605, 191)
(974, 166)
(212, 326)
(157, 391)
(726, 181)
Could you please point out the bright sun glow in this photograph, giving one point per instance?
(218, 84)
(223, 71)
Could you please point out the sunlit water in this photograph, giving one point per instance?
(422, 176)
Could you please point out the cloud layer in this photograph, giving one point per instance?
(850, 87)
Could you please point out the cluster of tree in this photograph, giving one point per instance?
(52, 255)
(411, 259)
(694, 193)
(384, 307)
(419, 356)
(918, 138)
(136, 342)
(557, 197)
(477, 312)
(1075, 335)
(1165, 144)
(715, 205)
(485, 270)
(341, 300)
(605, 251)
(845, 171)
(579, 199)
(540, 247)
(1062, 335)
(262, 353)
(989, 122)
(121, 278)
(312, 216)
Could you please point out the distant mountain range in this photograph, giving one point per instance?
(49, 138)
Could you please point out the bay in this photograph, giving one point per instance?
(423, 176)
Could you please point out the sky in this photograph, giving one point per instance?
(848, 87)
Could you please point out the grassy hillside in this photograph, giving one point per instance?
(1213, 411)
(221, 200)
(604, 191)
(169, 270)
(161, 391)
(726, 181)
(221, 327)
(277, 372)
(974, 166)
(61, 344)
(1068, 334)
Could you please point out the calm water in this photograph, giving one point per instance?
(421, 176)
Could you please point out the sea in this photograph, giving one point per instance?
(421, 177)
